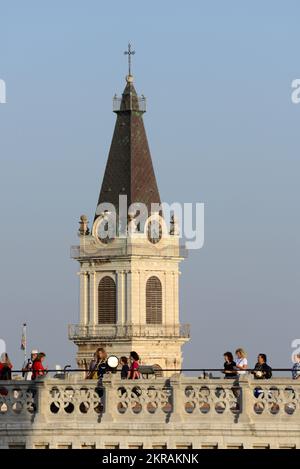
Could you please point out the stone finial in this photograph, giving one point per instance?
(132, 225)
(129, 78)
(83, 226)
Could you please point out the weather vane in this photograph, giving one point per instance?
(129, 52)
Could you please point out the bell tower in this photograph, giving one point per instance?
(129, 264)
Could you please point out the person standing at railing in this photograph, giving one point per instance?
(92, 367)
(134, 367)
(98, 366)
(125, 368)
(134, 371)
(229, 366)
(124, 372)
(241, 361)
(101, 365)
(296, 366)
(38, 368)
(262, 370)
(98, 372)
(5, 367)
(27, 366)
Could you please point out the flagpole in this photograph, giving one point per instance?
(25, 349)
(24, 341)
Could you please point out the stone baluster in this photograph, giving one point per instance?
(110, 398)
(177, 398)
(42, 400)
(245, 399)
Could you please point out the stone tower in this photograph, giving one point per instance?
(129, 261)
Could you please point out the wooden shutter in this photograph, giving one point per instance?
(107, 311)
(153, 301)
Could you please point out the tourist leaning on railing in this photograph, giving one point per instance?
(296, 366)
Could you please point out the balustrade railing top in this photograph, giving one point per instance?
(162, 399)
(96, 251)
(136, 330)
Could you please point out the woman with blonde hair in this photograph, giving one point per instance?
(99, 371)
(91, 367)
(101, 364)
(241, 361)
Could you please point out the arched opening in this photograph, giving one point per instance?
(153, 301)
(107, 306)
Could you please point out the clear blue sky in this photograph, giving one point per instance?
(222, 130)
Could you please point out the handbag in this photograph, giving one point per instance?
(94, 374)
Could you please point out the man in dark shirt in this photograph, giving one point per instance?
(262, 370)
(125, 368)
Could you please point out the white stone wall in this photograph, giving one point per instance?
(178, 413)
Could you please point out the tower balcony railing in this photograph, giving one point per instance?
(117, 331)
(141, 101)
(82, 251)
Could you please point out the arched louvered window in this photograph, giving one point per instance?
(107, 311)
(153, 301)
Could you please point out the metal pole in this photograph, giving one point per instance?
(24, 341)
(25, 349)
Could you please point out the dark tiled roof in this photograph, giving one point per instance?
(129, 168)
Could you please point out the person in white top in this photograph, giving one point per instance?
(27, 367)
(241, 361)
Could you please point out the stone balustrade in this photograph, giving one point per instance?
(177, 412)
(128, 331)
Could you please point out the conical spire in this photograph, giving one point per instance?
(129, 170)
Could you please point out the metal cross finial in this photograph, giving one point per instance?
(129, 52)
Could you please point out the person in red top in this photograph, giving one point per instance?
(37, 367)
(133, 372)
(5, 367)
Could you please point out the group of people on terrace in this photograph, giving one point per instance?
(32, 368)
(99, 365)
(234, 368)
(129, 366)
